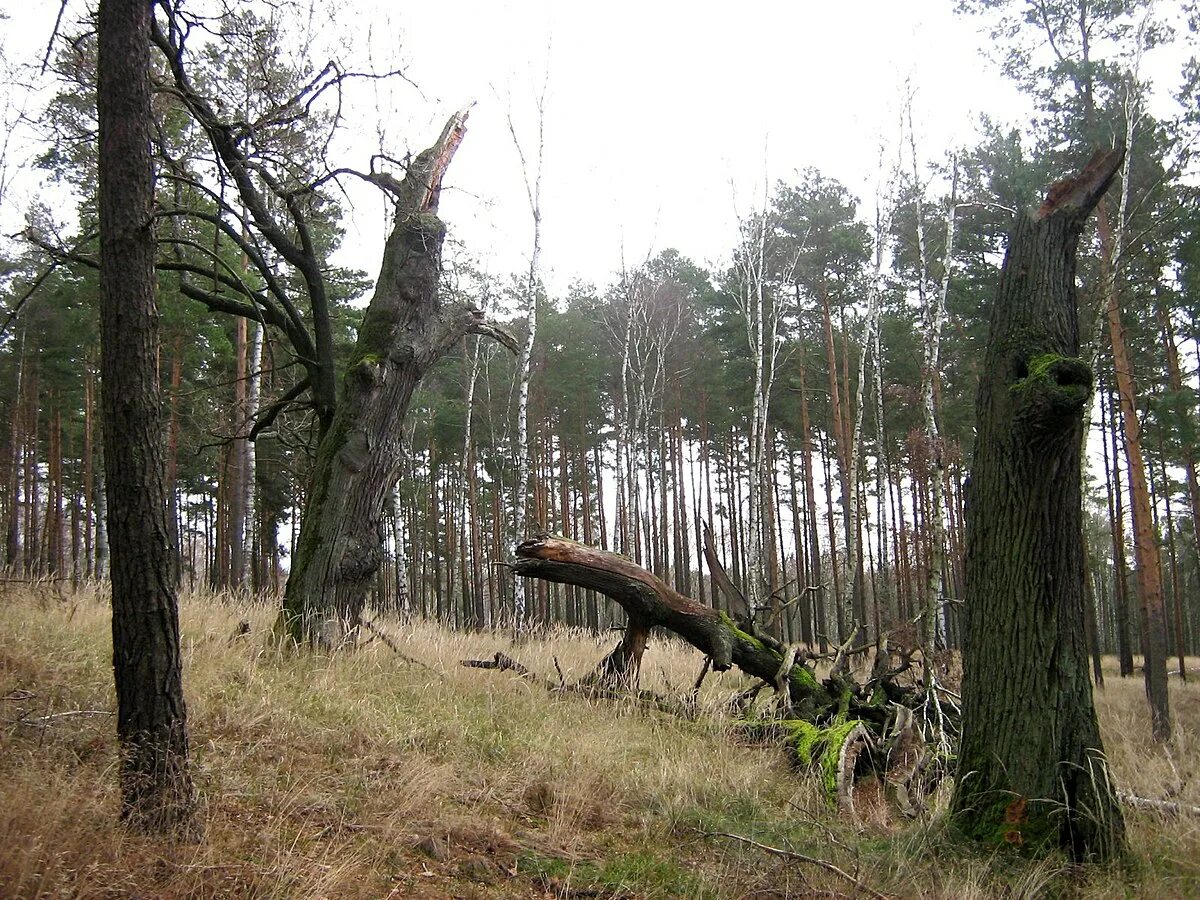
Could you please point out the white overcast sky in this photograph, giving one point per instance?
(662, 118)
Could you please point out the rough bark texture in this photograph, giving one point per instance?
(1031, 768)
(650, 602)
(156, 792)
(405, 330)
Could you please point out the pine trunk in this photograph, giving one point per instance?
(156, 790)
(1145, 542)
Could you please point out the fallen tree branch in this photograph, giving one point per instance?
(800, 857)
(501, 663)
(1164, 806)
(47, 721)
(590, 688)
(827, 724)
(391, 645)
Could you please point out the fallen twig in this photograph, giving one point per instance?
(391, 645)
(500, 662)
(801, 857)
(700, 678)
(47, 721)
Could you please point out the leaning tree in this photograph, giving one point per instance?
(255, 177)
(1031, 767)
(275, 222)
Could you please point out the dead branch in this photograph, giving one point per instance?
(1163, 806)
(800, 857)
(48, 721)
(501, 663)
(391, 645)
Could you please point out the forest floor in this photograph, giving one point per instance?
(367, 774)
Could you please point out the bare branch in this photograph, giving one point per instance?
(267, 416)
(800, 857)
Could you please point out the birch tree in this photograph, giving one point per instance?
(761, 315)
(532, 289)
(933, 306)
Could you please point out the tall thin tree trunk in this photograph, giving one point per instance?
(533, 188)
(156, 789)
(1146, 552)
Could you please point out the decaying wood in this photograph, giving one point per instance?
(591, 687)
(833, 725)
(735, 598)
(500, 662)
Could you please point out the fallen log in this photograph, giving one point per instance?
(835, 726)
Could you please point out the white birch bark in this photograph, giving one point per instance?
(249, 459)
(623, 460)
(533, 190)
(870, 340)
(886, 581)
(464, 523)
(398, 557)
(762, 323)
(933, 314)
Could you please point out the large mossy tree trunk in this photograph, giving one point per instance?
(1031, 767)
(405, 331)
(156, 789)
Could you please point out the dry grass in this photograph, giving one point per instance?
(364, 775)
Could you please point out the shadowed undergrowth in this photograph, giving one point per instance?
(366, 775)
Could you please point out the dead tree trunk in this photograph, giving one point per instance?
(404, 332)
(1031, 767)
(829, 722)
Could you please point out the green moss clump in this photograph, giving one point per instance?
(744, 635)
(1039, 366)
(818, 747)
(1040, 371)
(804, 679)
(802, 738)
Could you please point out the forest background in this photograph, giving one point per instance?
(807, 389)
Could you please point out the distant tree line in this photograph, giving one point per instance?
(787, 400)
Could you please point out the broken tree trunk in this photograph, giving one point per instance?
(830, 722)
(405, 330)
(1031, 767)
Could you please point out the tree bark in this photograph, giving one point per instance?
(156, 790)
(1116, 519)
(405, 330)
(1031, 769)
(1145, 541)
